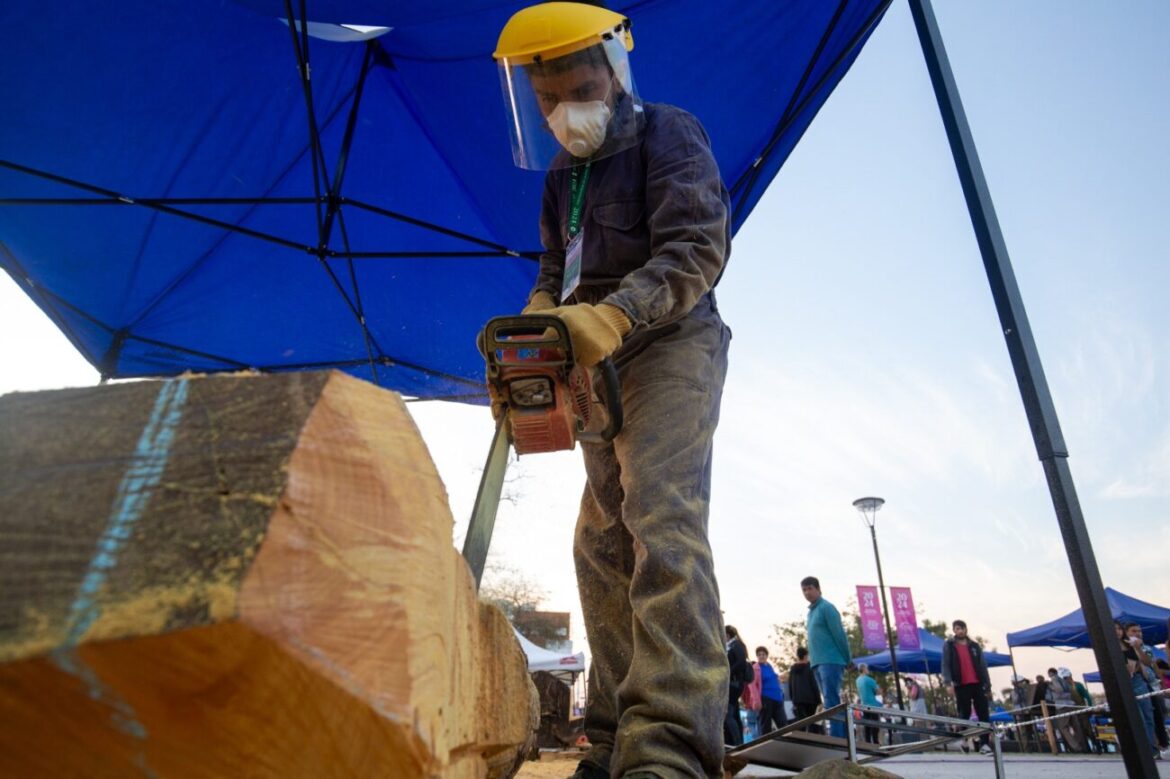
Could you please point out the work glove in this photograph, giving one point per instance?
(595, 331)
(541, 301)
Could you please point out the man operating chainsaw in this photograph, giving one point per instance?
(635, 228)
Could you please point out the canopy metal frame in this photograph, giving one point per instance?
(331, 204)
(1037, 398)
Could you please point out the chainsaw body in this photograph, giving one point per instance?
(548, 400)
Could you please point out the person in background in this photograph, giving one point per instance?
(1153, 679)
(867, 693)
(1082, 698)
(771, 694)
(964, 672)
(1081, 692)
(803, 689)
(1162, 668)
(1022, 701)
(750, 705)
(1040, 692)
(916, 696)
(828, 648)
(1061, 687)
(1041, 700)
(1020, 698)
(1060, 691)
(1139, 677)
(739, 667)
(1061, 683)
(1158, 702)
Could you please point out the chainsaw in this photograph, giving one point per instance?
(543, 401)
(545, 398)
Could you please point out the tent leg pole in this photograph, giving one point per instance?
(1046, 434)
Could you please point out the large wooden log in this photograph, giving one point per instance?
(241, 576)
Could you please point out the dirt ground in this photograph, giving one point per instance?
(552, 765)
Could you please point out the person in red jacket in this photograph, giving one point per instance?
(964, 672)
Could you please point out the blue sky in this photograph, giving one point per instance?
(867, 358)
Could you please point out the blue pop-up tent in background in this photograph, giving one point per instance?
(1071, 631)
(925, 660)
(164, 200)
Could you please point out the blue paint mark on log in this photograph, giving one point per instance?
(134, 494)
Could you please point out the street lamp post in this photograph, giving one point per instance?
(869, 508)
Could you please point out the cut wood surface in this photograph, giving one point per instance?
(241, 576)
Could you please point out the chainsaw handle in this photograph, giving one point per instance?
(501, 332)
(613, 404)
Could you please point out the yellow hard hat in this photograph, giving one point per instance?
(550, 30)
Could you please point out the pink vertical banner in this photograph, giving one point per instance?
(905, 619)
(871, 617)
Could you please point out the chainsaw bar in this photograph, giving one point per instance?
(487, 503)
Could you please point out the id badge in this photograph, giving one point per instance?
(572, 275)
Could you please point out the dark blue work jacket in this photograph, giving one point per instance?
(656, 224)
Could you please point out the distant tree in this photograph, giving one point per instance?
(790, 635)
(509, 589)
(786, 637)
(937, 627)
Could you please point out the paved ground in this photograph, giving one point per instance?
(936, 765)
(945, 766)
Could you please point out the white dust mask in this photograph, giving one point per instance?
(580, 127)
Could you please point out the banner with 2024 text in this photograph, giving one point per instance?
(870, 612)
(905, 620)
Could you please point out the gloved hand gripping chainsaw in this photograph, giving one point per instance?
(543, 399)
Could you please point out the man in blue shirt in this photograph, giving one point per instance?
(867, 692)
(828, 647)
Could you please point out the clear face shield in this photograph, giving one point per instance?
(576, 106)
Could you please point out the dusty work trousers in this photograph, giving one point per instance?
(659, 677)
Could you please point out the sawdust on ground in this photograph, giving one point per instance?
(552, 765)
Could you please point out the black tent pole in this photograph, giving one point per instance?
(1132, 739)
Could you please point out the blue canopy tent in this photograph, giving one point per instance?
(1001, 715)
(925, 660)
(176, 196)
(1070, 630)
